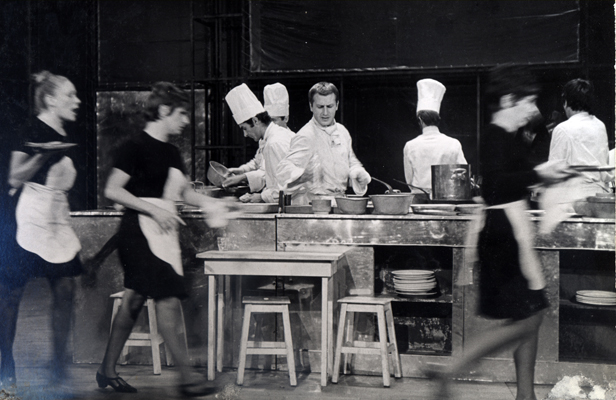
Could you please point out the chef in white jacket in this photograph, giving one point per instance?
(321, 161)
(276, 103)
(274, 140)
(431, 147)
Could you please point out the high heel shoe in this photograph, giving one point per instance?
(196, 389)
(118, 384)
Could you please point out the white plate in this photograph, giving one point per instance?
(597, 294)
(596, 302)
(50, 145)
(413, 272)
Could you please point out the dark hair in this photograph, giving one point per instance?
(324, 89)
(263, 117)
(507, 79)
(165, 93)
(429, 117)
(45, 84)
(579, 95)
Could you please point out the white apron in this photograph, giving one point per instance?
(43, 224)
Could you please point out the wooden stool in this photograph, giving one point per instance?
(266, 305)
(382, 308)
(152, 339)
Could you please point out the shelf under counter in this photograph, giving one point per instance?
(442, 299)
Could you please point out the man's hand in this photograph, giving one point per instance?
(251, 198)
(235, 171)
(552, 172)
(234, 180)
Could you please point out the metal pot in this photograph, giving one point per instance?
(451, 182)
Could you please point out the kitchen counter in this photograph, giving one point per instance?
(372, 238)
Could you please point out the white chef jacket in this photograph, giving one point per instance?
(430, 148)
(255, 170)
(320, 162)
(276, 145)
(581, 140)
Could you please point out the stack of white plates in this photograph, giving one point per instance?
(596, 297)
(414, 282)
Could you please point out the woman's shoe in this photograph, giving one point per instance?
(118, 384)
(196, 389)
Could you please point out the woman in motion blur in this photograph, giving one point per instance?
(511, 281)
(41, 173)
(147, 178)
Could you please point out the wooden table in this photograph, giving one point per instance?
(270, 263)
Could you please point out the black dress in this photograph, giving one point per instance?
(505, 290)
(148, 162)
(20, 265)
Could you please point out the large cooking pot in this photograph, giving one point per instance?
(451, 182)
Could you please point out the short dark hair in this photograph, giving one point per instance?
(167, 94)
(579, 95)
(429, 117)
(511, 79)
(324, 89)
(263, 117)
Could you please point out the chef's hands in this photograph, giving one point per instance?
(235, 171)
(234, 180)
(362, 177)
(251, 198)
(552, 172)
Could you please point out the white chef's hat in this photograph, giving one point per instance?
(243, 103)
(429, 95)
(276, 100)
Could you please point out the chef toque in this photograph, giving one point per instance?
(243, 103)
(276, 100)
(429, 95)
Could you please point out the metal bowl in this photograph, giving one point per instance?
(352, 205)
(391, 204)
(217, 173)
(601, 207)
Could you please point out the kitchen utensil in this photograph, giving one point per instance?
(434, 209)
(237, 191)
(321, 206)
(258, 208)
(394, 203)
(412, 187)
(352, 205)
(592, 168)
(50, 145)
(451, 182)
(217, 173)
(387, 185)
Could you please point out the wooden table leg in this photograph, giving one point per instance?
(211, 331)
(330, 325)
(324, 327)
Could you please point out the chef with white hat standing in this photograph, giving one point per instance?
(431, 147)
(276, 103)
(274, 142)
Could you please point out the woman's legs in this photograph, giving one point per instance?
(498, 338)
(132, 302)
(168, 311)
(524, 357)
(62, 290)
(9, 310)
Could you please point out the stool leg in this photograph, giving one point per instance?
(339, 339)
(350, 338)
(286, 322)
(389, 315)
(383, 345)
(244, 344)
(155, 339)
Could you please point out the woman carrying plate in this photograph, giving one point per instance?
(40, 175)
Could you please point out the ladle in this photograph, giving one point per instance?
(389, 188)
(412, 187)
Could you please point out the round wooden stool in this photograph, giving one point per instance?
(266, 305)
(382, 308)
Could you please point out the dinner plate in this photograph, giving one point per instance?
(600, 294)
(50, 145)
(412, 272)
(595, 301)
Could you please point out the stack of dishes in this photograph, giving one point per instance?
(596, 297)
(414, 282)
